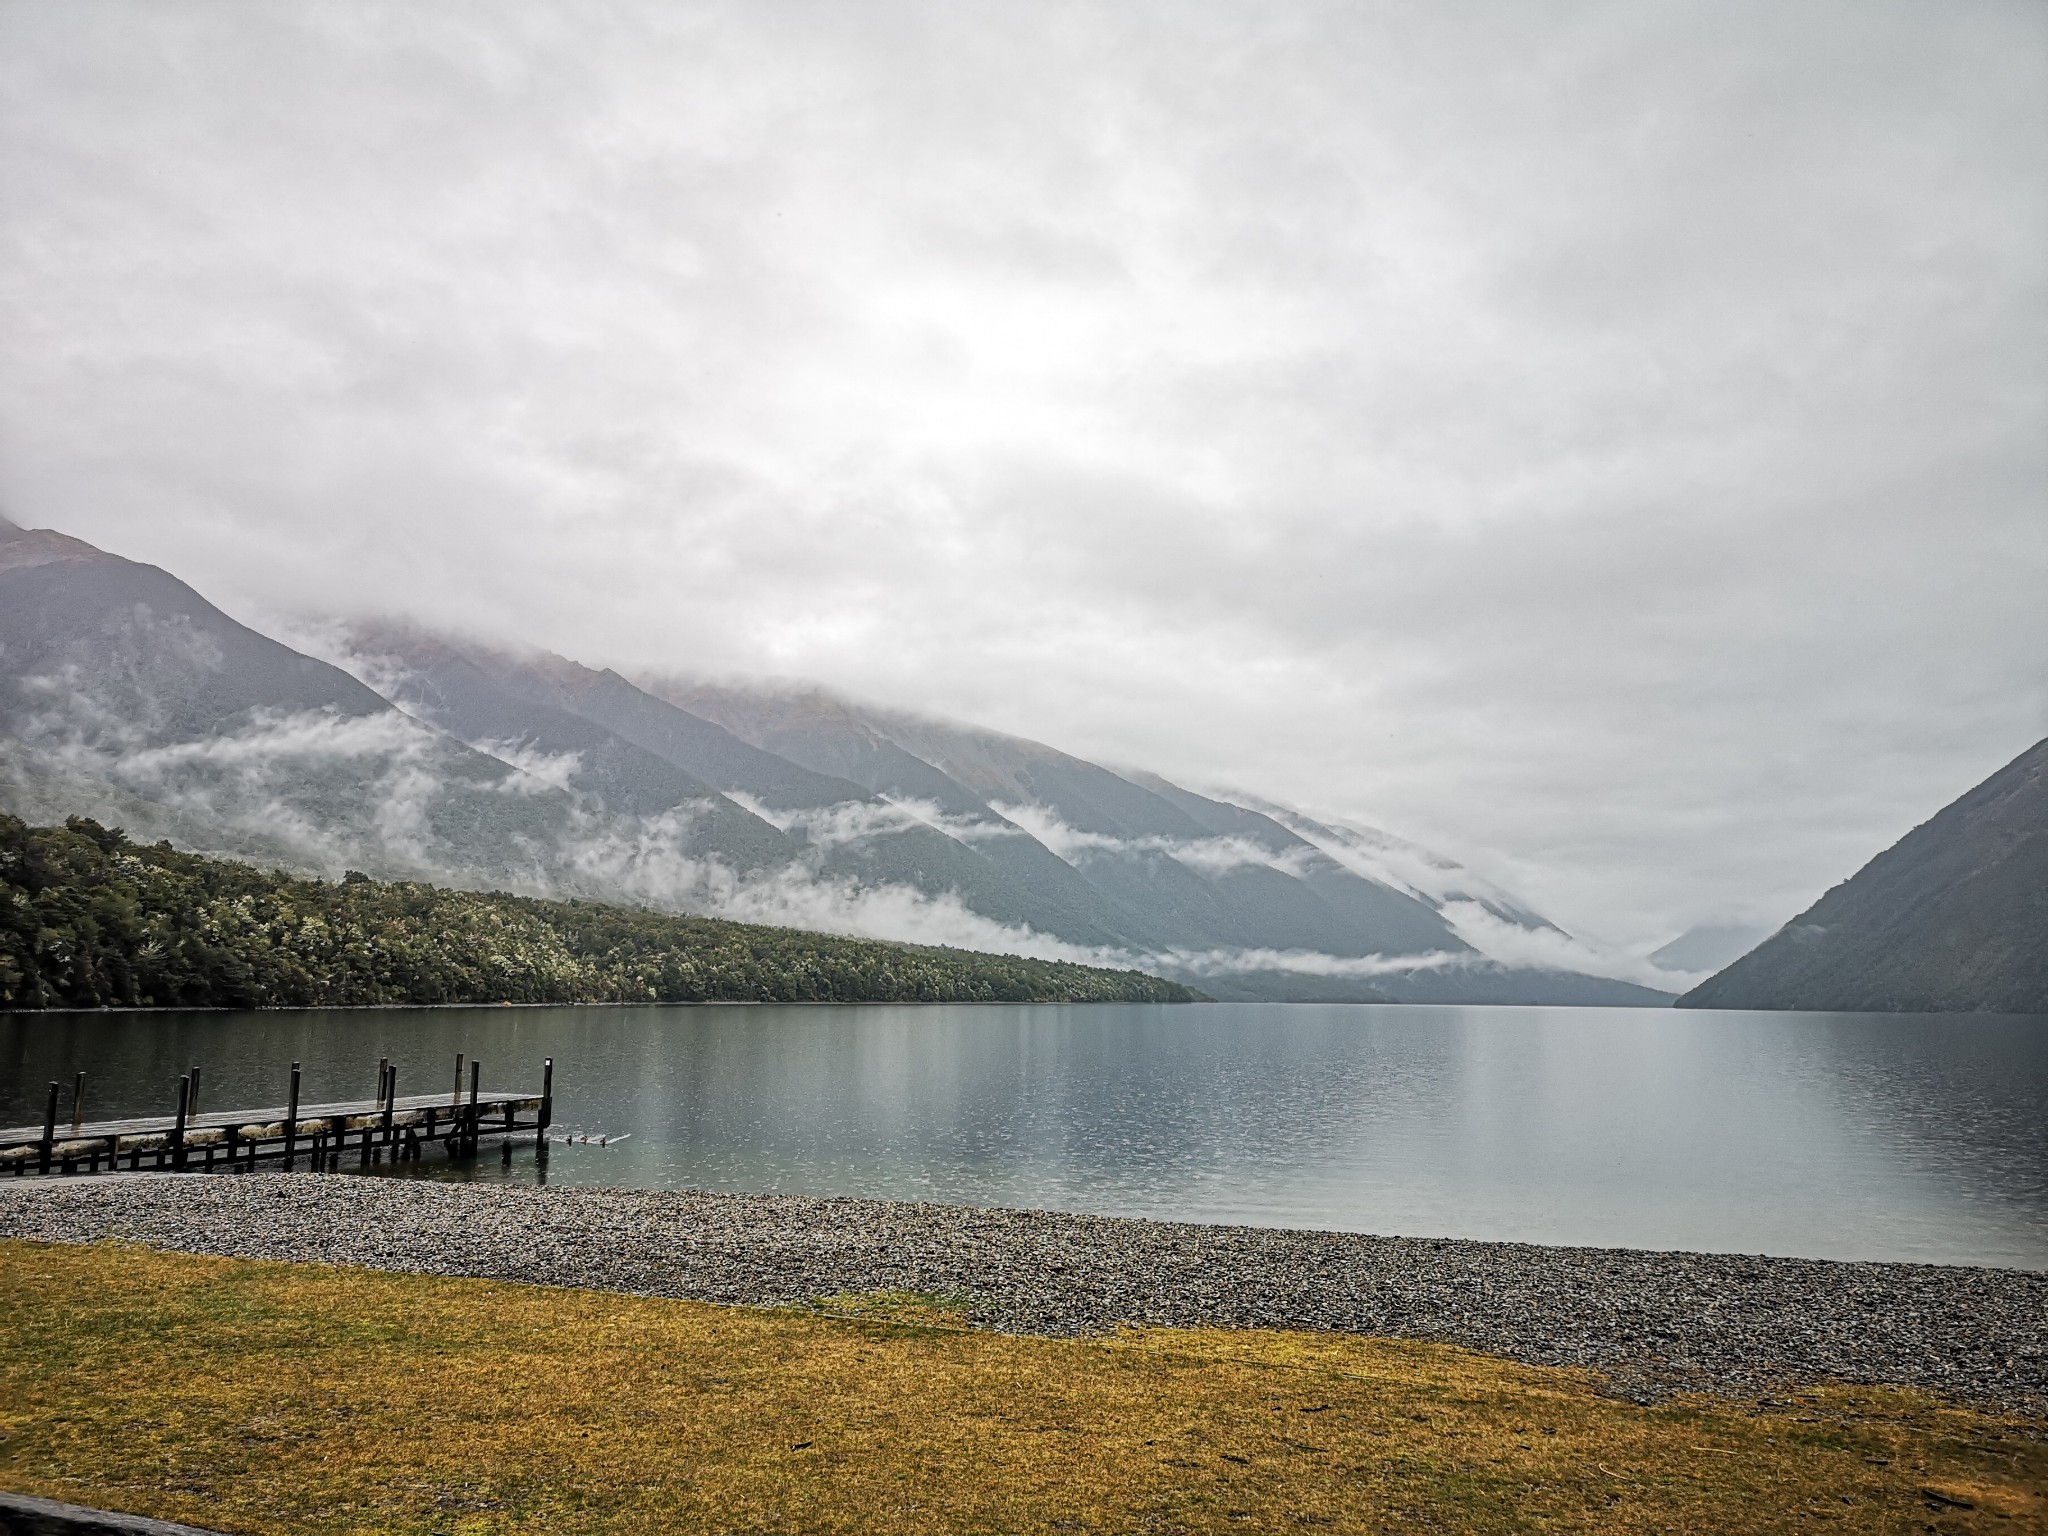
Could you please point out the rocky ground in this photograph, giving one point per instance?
(1653, 1322)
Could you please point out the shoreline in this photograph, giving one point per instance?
(696, 1002)
(1654, 1323)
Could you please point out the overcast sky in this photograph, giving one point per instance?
(1605, 440)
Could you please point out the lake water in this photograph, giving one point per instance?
(1870, 1136)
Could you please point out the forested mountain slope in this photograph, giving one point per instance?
(413, 754)
(89, 919)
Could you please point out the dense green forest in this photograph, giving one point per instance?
(89, 919)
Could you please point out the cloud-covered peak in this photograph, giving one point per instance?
(1608, 436)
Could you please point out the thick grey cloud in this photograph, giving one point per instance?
(1607, 440)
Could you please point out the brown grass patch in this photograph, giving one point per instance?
(272, 1398)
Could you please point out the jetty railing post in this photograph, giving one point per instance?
(178, 1130)
(547, 1101)
(49, 1130)
(476, 1072)
(456, 1099)
(78, 1104)
(194, 1114)
(291, 1122)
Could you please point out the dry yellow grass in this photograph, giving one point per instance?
(273, 1398)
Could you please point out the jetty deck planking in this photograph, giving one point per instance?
(393, 1125)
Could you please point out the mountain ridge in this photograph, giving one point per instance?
(1952, 918)
(414, 753)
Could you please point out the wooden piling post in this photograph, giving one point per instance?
(547, 1101)
(456, 1098)
(476, 1072)
(78, 1104)
(291, 1122)
(49, 1131)
(178, 1130)
(194, 1115)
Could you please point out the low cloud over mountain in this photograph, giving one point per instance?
(406, 752)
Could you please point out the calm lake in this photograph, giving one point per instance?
(1867, 1136)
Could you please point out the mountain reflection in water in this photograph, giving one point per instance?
(1866, 1136)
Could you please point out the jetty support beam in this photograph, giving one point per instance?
(178, 1130)
(49, 1131)
(547, 1099)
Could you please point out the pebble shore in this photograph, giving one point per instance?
(1653, 1323)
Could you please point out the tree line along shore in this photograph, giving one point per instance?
(91, 919)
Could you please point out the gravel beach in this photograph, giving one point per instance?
(1653, 1322)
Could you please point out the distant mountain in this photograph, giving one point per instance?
(502, 707)
(1708, 947)
(594, 726)
(1443, 884)
(1247, 898)
(113, 649)
(1952, 918)
(408, 753)
(126, 695)
(829, 736)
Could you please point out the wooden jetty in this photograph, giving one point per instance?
(371, 1130)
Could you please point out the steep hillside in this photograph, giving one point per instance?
(521, 704)
(1952, 918)
(1186, 873)
(125, 693)
(1442, 884)
(483, 700)
(412, 754)
(1249, 899)
(95, 645)
(1392, 921)
(829, 735)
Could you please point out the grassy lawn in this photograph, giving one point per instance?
(273, 1398)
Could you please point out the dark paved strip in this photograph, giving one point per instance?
(24, 1516)
(1653, 1322)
